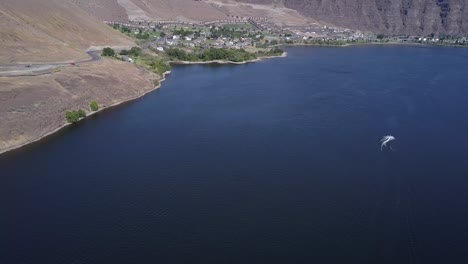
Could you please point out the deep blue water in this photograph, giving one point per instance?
(272, 162)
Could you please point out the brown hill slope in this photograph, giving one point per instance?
(108, 10)
(187, 10)
(184, 10)
(31, 107)
(386, 16)
(123, 10)
(51, 30)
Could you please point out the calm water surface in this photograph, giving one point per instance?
(272, 162)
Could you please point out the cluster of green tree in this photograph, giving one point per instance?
(94, 106)
(156, 65)
(123, 29)
(134, 52)
(75, 115)
(211, 54)
(159, 66)
(326, 42)
(108, 52)
(153, 64)
(226, 54)
(182, 32)
(126, 30)
(360, 41)
(228, 33)
(182, 55)
(142, 36)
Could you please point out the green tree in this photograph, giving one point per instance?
(81, 113)
(135, 51)
(94, 106)
(108, 52)
(72, 116)
(162, 34)
(125, 30)
(143, 36)
(177, 54)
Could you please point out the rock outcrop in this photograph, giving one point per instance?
(421, 17)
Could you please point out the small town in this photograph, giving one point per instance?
(254, 33)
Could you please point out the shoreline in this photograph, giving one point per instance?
(139, 96)
(369, 44)
(285, 54)
(87, 115)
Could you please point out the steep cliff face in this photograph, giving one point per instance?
(386, 16)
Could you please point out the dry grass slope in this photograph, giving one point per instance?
(31, 107)
(50, 31)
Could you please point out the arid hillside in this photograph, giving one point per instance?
(187, 10)
(385, 16)
(50, 31)
(124, 10)
(31, 107)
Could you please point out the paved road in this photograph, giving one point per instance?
(9, 70)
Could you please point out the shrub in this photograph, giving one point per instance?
(143, 36)
(159, 66)
(177, 54)
(72, 116)
(226, 54)
(75, 116)
(135, 51)
(275, 52)
(108, 52)
(81, 113)
(94, 106)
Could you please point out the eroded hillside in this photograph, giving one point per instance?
(386, 16)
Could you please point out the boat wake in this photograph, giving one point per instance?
(385, 142)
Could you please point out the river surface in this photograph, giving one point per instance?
(272, 162)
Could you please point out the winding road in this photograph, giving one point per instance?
(11, 70)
